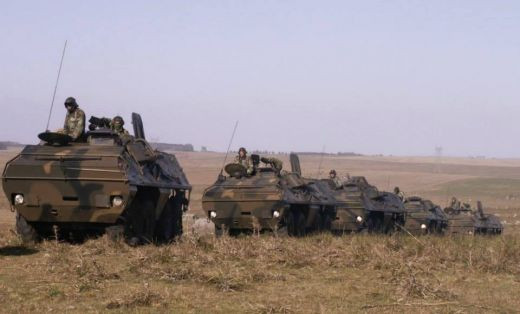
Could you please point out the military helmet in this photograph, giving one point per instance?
(332, 172)
(242, 149)
(71, 101)
(119, 119)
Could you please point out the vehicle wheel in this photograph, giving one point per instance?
(300, 225)
(327, 223)
(140, 225)
(169, 225)
(318, 223)
(219, 231)
(27, 233)
(290, 222)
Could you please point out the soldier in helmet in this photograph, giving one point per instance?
(74, 125)
(117, 124)
(399, 193)
(244, 160)
(334, 177)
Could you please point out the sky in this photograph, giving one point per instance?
(371, 77)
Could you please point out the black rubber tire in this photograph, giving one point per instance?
(300, 225)
(327, 223)
(317, 225)
(219, 231)
(27, 233)
(290, 222)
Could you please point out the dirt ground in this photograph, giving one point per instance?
(353, 273)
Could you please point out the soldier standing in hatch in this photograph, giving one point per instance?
(333, 176)
(399, 193)
(117, 124)
(244, 160)
(74, 125)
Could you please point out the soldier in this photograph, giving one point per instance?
(74, 125)
(244, 160)
(117, 124)
(275, 163)
(399, 193)
(333, 176)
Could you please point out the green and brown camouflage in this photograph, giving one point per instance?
(350, 211)
(424, 217)
(267, 200)
(98, 181)
(462, 219)
(383, 211)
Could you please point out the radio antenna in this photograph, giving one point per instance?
(229, 146)
(321, 161)
(56, 86)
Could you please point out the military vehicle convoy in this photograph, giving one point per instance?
(462, 219)
(424, 217)
(101, 182)
(270, 199)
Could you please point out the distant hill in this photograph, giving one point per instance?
(5, 144)
(173, 147)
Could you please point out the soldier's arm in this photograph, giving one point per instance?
(250, 168)
(80, 127)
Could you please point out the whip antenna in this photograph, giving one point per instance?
(56, 86)
(229, 146)
(321, 161)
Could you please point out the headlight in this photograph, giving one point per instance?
(276, 214)
(213, 214)
(117, 201)
(18, 199)
(359, 219)
(423, 226)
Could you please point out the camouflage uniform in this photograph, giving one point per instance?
(246, 162)
(337, 182)
(74, 125)
(116, 125)
(399, 193)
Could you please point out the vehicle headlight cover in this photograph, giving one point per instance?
(213, 214)
(423, 226)
(18, 199)
(276, 214)
(117, 201)
(359, 219)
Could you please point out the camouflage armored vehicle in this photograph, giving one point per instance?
(462, 219)
(383, 212)
(269, 199)
(350, 213)
(98, 183)
(424, 217)
(486, 223)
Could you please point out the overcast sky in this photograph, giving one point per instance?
(389, 77)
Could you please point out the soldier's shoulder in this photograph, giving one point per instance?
(80, 112)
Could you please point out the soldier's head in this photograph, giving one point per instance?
(242, 152)
(71, 104)
(397, 190)
(118, 123)
(332, 174)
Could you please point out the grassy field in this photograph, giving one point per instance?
(316, 274)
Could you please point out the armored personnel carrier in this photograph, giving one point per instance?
(101, 182)
(383, 212)
(424, 217)
(462, 219)
(486, 223)
(269, 199)
(350, 211)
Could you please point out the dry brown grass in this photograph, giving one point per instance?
(360, 273)
(265, 275)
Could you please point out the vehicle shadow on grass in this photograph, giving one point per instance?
(17, 250)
